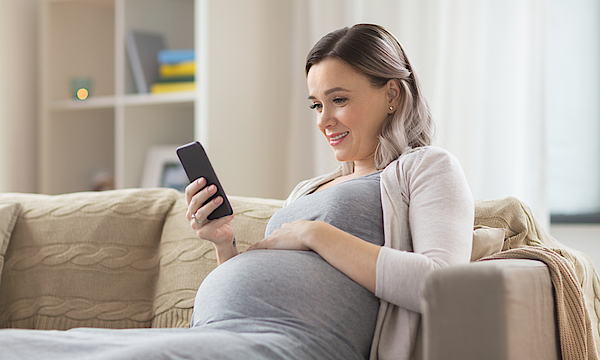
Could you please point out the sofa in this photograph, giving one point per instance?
(128, 259)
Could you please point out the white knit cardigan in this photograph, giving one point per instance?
(428, 223)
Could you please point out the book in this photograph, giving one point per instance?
(142, 50)
(187, 68)
(167, 87)
(176, 79)
(176, 56)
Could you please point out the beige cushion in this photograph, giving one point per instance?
(185, 260)
(486, 241)
(84, 259)
(8, 217)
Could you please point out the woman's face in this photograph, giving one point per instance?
(350, 111)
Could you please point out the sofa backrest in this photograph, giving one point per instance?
(185, 260)
(115, 259)
(128, 258)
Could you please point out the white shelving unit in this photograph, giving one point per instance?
(111, 131)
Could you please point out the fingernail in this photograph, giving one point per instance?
(212, 188)
(200, 181)
(218, 199)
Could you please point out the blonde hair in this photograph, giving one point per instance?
(377, 54)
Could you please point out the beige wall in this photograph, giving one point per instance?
(249, 94)
(18, 95)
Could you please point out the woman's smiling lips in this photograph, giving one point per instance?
(337, 138)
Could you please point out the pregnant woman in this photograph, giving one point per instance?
(363, 238)
(339, 273)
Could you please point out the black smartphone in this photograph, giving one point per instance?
(196, 165)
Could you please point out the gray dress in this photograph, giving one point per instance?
(263, 304)
(297, 292)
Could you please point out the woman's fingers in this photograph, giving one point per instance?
(198, 200)
(193, 188)
(201, 214)
(199, 208)
(290, 236)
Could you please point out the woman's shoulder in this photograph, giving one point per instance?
(430, 165)
(420, 162)
(425, 156)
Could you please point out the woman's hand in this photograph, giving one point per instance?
(295, 235)
(351, 255)
(218, 231)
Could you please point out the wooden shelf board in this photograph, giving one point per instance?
(100, 102)
(93, 102)
(167, 98)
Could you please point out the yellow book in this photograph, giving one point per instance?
(166, 87)
(187, 68)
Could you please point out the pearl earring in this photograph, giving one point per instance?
(391, 108)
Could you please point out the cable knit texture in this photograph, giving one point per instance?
(8, 217)
(117, 259)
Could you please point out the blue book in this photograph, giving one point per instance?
(175, 56)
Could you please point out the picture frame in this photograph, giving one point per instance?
(163, 169)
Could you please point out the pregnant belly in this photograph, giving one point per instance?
(295, 286)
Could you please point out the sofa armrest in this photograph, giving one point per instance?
(495, 310)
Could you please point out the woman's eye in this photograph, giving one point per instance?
(315, 106)
(339, 101)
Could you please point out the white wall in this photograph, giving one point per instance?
(249, 86)
(581, 237)
(18, 95)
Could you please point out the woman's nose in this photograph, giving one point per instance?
(325, 118)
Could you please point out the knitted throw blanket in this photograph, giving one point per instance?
(574, 324)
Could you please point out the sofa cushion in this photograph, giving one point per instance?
(486, 241)
(84, 259)
(185, 260)
(8, 218)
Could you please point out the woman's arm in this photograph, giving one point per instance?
(218, 231)
(353, 256)
(429, 194)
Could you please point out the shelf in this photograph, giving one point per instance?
(102, 102)
(111, 131)
(170, 98)
(97, 2)
(95, 102)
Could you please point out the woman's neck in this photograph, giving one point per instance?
(364, 168)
